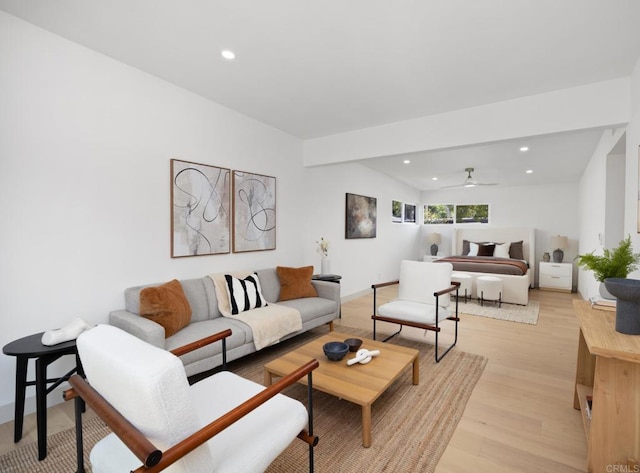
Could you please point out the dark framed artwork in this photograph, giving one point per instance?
(361, 216)
(410, 213)
(396, 211)
(200, 209)
(254, 212)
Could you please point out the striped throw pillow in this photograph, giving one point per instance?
(244, 294)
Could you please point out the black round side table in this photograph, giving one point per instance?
(31, 347)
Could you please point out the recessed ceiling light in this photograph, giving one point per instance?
(230, 55)
(407, 161)
(434, 178)
(529, 171)
(524, 148)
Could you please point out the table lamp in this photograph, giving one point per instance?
(434, 239)
(559, 243)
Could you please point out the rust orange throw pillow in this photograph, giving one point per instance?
(295, 283)
(166, 305)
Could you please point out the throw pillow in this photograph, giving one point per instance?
(244, 294)
(516, 251)
(473, 249)
(465, 247)
(166, 305)
(502, 250)
(486, 250)
(295, 283)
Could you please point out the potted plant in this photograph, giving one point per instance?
(616, 263)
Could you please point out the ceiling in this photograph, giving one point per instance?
(316, 68)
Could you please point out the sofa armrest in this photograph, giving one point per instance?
(140, 327)
(328, 290)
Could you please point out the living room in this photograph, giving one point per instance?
(86, 141)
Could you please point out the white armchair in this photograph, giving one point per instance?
(423, 300)
(223, 423)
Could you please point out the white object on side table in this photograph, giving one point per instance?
(556, 276)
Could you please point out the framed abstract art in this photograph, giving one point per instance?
(254, 212)
(200, 210)
(361, 216)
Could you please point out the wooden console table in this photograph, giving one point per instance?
(608, 370)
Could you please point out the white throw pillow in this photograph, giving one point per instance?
(502, 251)
(244, 294)
(473, 249)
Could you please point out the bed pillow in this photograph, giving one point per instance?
(465, 247)
(295, 283)
(516, 250)
(486, 249)
(502, 250)
(473, 249)
(244, 294)
(166, 305)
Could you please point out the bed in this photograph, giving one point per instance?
(517, 274)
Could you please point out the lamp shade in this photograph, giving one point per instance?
(434, 238)
(559, 242)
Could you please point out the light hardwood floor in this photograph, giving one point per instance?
(520, 417)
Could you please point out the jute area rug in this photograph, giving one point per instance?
(411, 425)
(524, 314)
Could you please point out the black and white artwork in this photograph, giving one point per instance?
(200, 210)
(254, 212)
(361, 216)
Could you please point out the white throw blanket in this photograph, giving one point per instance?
(268, 324)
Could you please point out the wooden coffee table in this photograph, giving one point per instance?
(360, 384)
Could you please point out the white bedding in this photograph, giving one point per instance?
(515, 288)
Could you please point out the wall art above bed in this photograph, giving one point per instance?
(199, 209)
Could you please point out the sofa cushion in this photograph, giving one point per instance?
(244, 293)
(295, 283)
(166, 305)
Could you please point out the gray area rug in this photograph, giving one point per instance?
(524, 314)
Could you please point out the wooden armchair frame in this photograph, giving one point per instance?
(154, 460)
(434, 328)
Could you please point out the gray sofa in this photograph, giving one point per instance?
(206, 319)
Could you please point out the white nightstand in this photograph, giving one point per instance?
(556, 276)
(430, 259)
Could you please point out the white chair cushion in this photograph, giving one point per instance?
(413, 312)
(252, 443)
(147, 385)
(419, 280)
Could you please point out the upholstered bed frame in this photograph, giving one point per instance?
(515, 288)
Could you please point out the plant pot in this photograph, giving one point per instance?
(604, 293)
(627, 292)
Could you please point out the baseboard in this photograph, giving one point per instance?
(355, 295)
(8, 410)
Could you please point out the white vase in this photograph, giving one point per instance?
(325, 265)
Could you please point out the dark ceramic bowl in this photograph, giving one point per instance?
(335, 351)
(353, 343)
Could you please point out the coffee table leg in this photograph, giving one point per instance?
(416, 371)
(366, 426)
(267, 380)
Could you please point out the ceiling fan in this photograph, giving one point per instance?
(470, 181)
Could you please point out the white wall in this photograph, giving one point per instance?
(632, 194)
(85, 147)
(592, 197)
(551, 209)
(361, 262)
